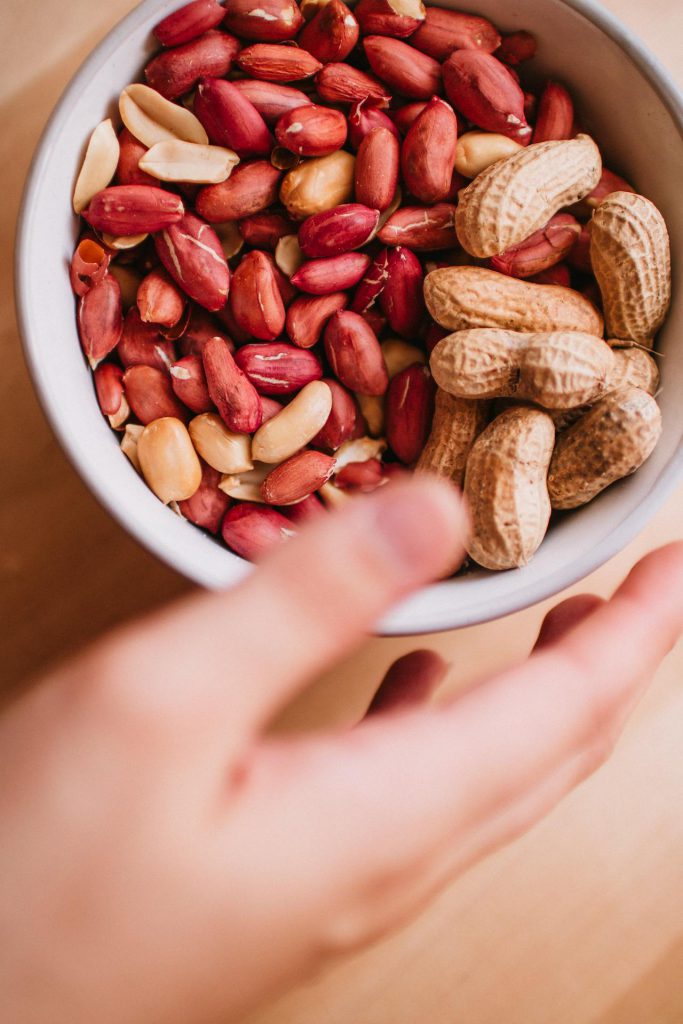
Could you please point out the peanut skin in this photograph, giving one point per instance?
(506, 488)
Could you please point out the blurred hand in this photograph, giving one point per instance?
(162, 861)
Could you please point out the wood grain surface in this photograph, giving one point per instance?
(581, 922)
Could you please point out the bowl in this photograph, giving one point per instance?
(627, 101)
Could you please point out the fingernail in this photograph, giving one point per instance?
(421, 524)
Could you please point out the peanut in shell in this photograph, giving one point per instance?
(631, 260)
(557, 370)
(516, 196)
(463, 297)
(611, 441)
(456, 425)
(506, 488)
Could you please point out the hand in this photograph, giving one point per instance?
(162, 860)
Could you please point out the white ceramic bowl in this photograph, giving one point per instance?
(626, 100)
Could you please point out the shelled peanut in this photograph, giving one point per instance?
(302, 203)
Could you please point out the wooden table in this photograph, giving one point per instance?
(579, 923)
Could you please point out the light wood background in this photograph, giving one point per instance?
(579, 923)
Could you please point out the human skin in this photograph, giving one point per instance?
(163, 859)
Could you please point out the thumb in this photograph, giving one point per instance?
(309, 603)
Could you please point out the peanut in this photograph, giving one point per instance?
(89, 265)
(175, 160)
(318, 184)
(151, 118)
(475, 151)
(223, 449)
(333, 496)
(635, 367)
(99, 319)
(632, 367)
(297, 478)
(456, 425)
(129, 444)
(246, 486)
(359, 449)
(288, 255)
(372, 411)
(297, 424)
(332, 34)
(462, 297)
(208, 504)
(123, 242)
(230, 237)
(632, 263)
(99, 165)
(611, 441)
(188, 381)
(516, 196)
(506, 488)
(398, 355)
(409, 408)
(168, 461)
(251, 531)
(557, 370)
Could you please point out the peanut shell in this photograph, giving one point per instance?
(631, 260)
(506, 489)
(463, 297)
(456, 425)
(518, 195)
(557, 370)
(611, 441)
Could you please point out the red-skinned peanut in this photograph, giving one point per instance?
(308, 314)
(253, 530)
(208, 505)
(355, 354)
(331, 34)
(255, 299)
(230, 119)
(376, 170)
(343, 229)
(428, 152)
(192, 254)
(233, 394)
(312, 130)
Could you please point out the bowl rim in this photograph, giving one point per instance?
(401, 620)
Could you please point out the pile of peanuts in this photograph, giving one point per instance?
(329, 244)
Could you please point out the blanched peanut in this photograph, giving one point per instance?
(475, 151)
(223, 449)
(168, 461)
(298, 423)
(399, 355)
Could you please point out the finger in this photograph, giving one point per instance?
(411, 680)
(561, 619)
(380, 802)
(235, 658)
